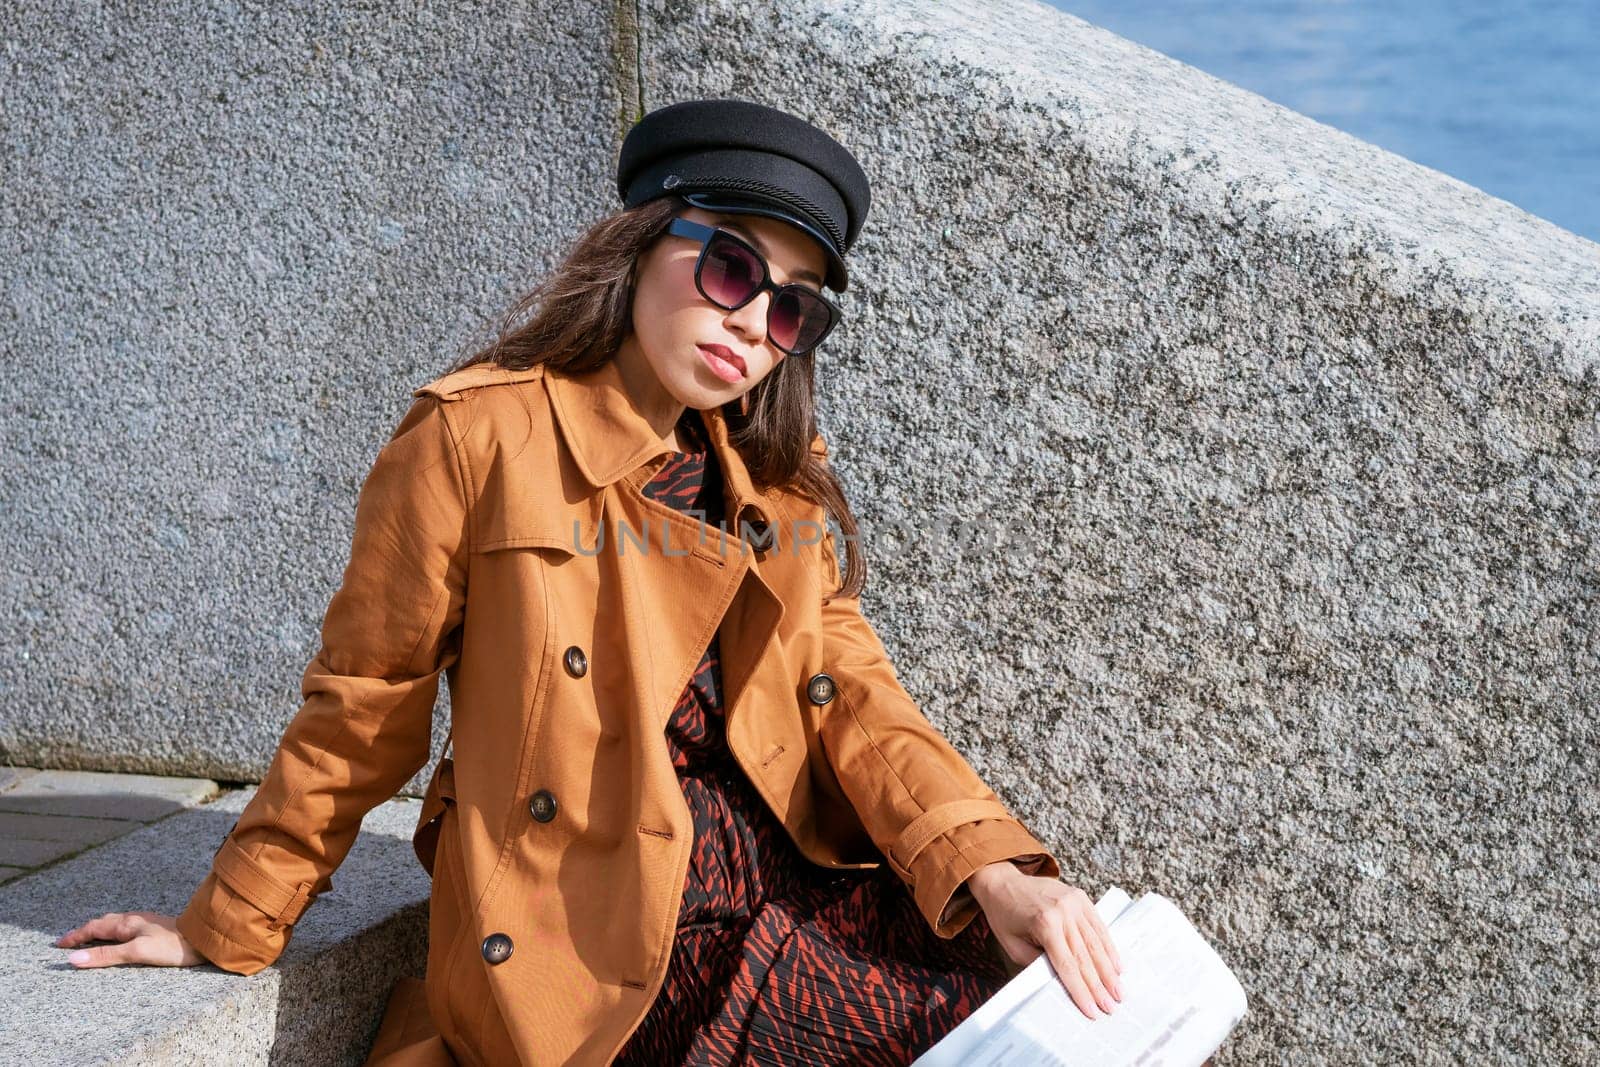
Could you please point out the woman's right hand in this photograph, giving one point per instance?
(141, 936)
(1033, 915)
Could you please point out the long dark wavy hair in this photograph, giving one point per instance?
(576, 318)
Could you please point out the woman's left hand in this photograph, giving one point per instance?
(1029, 914)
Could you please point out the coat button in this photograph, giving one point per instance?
(543, 805)
(577, 663)
(497, 948)
(820, 688)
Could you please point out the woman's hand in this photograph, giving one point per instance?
(1028, 913)
(142, 936)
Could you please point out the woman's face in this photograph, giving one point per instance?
(671, 320)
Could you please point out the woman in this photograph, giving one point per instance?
(690, 814)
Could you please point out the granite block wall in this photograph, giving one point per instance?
(1278, 454)
(235, 237)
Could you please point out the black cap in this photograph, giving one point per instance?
(746, 158)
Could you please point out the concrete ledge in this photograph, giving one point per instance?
(320, 1004)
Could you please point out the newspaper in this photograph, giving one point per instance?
(1179, 1002)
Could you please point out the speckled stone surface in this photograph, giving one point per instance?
(1293, 445)
(1290, 444)
(319, 1004)
(234, 238)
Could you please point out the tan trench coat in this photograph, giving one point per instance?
(556, 831)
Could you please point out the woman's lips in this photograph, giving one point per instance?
(727, 367)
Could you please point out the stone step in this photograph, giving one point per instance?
(321, 1003)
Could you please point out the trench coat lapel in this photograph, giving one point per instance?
(681, 583)
(609, 438)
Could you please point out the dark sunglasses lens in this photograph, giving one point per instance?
(798, 320)
(729, 274)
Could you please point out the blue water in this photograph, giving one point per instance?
(1504, 96)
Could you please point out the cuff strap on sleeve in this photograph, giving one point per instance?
(252, 881)
(936, 820)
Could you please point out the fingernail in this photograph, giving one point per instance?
(80, 956)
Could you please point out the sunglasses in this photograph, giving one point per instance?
(730, 274)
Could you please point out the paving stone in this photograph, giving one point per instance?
(20, 852)
(68, 829)
(144, 797)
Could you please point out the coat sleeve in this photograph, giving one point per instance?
(926, 809)
(364, 726)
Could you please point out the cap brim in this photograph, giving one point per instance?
(837, 277)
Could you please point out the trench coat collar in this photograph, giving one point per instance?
(608, 437)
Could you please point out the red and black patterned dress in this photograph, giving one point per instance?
(778, 960)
